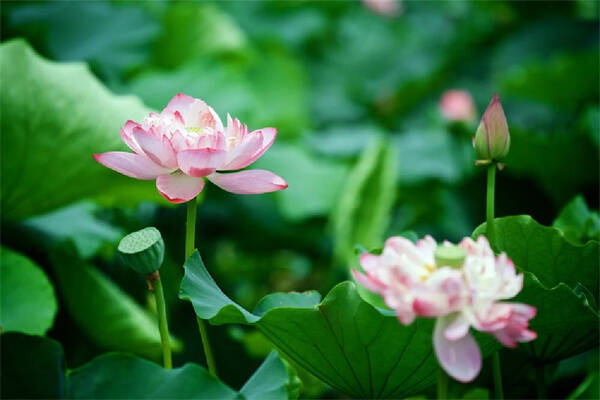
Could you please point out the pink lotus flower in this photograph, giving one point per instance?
(186, 143)
(459, 285)
(457, 105)
(386, 8)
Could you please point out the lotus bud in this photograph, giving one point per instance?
(449, 255)
(492, 139)
(143, 250)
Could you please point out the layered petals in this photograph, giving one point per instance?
(155, 148)
(130, 164)
(200, 162)
(463, 288)
(178, 187)
(460, 358)
(188, 139)
(253, 181)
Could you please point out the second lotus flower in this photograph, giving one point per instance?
(186, 143)
(460, 285)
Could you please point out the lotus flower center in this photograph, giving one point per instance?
(450, 256)
(195, 129)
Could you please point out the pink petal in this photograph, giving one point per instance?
(126, 135)
(194, 112)
(368, 281)
(157, 149)
(178, 187)
(253, 181)
(242, 155)
(461, 359)
(457, 328)
(130, 164)
(200, 162)
(268, 136)
(368, 261)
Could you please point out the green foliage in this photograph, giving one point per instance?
(59, 116)
(365, 206)
(356, 348)
(27, 299)
(33, 367)
(560, 280)
(109, 316)
(577, 222)
(315, 184)
(77, 223)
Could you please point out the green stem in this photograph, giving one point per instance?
(540, 381)
(442, 386)
(161, 309)
(490, 223)
(190, 240)
(497, 372)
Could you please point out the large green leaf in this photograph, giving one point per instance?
(368, 195)
(33, 367)
(27, 300)
(108, 315)
(356, 348)
(55, 116)
(546, 253)
(577, 222)
(560, 280)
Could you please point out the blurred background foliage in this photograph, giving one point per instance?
(364, 147)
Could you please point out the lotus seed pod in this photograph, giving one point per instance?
(143, 250)
(449, 256)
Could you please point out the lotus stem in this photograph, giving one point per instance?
(490, 223)
(497, 372)
(190, 240)
(442, 386)
(155, 284)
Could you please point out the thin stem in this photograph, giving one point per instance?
(190, 240)
(161, 309)
(540, 381)
(442, 386)
(490, 223)
(497, 372)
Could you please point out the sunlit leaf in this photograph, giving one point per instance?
(346, 342)
(55, 116)
(27, 299)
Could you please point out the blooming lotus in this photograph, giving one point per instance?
(187, 142)
(457, 105)
(462, 286)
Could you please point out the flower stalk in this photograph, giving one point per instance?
(442, 386)
(155, 285)
(190, 240)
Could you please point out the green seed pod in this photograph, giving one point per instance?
(449, 256)
(492, 139)
(143, 250)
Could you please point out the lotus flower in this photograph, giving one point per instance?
(492, 139)
(462, 286)
(186, 143)
(457, 105)
(386, 8)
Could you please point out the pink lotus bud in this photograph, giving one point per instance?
(492, 139)
(457, 105)
(387, 8)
